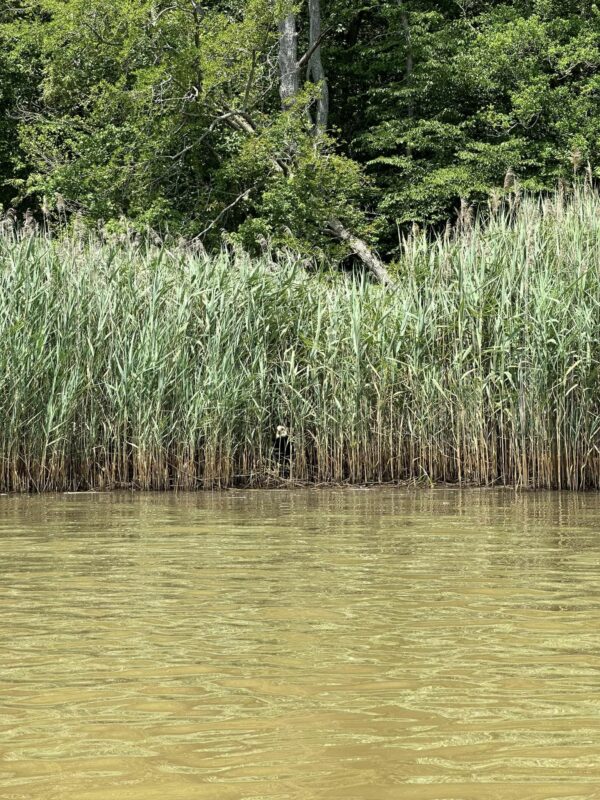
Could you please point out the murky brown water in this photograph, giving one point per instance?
(344, 645)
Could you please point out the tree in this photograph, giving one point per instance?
(290, 66)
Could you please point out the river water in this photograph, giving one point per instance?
(306, 645)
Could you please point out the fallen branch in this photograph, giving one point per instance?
(362, 250)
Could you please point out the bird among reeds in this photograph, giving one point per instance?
(283, 451)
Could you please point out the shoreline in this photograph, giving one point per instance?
(302, 487)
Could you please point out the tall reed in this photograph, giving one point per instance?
(136, 366)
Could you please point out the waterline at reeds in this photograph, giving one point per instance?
(130, 366)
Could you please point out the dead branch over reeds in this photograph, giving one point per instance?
(132, 365)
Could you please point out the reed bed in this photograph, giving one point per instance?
(154, 368)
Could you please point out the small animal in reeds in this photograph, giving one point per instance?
(283, 451)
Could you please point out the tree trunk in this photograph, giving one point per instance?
(289, 81)
(315, 65)
(289, 85)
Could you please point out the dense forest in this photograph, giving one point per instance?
(307, 125)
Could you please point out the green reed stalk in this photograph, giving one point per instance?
(125, 365)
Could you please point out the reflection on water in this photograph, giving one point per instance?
(347, 645)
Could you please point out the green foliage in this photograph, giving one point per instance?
(136, 120)
(167, 114)
(19, 77)
(317, 184)
(444, 98)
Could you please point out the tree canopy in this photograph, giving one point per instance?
(168, 114)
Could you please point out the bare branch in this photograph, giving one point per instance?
(312, 49)
(237, 200)
(209, 130)
(155, 18)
